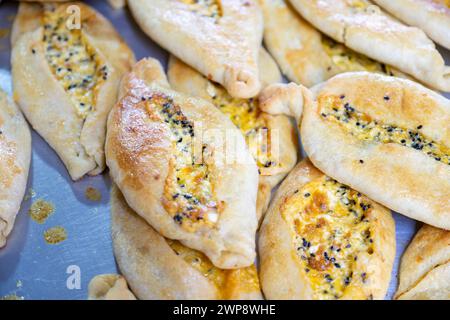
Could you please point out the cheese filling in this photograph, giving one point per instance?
(73, 61)
(226, 281)
(248, 118)
(189, 192)
(206, 8)
(330, 230)
(365, 128)
(347, 60)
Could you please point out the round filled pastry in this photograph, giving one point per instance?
(272, 139)
(15, 155)
(184, 167)
(425, 266)
(321, 239)
(67, 61)
(158, 268)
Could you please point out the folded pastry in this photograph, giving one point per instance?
(159, 268)
(272, 139)
(321, 239)
(65, 78)
(386, 137)
(220, 39)
(365, 28)
(15, 154)
(304, 54)
(184, 167)
(433, 16)
(109, 287)
(425, 266)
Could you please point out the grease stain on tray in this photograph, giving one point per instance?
(93, 194)
(55, 235)
(41, 210)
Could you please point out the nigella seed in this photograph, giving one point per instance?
(307, 195)
(387, 98)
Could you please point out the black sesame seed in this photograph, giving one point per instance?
(387, 98)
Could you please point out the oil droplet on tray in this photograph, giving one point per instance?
(55, 235)
(41, 210)
(93, 194)
(12, 297)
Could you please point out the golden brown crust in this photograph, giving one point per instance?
(187, 80)
(282, 274)
(412, 169)
(78, 140)
(15, 154)
(223, 47)
(361, 26)
(140, 154)
(431, 16)
(424, 269)
(109, 287)
(304, 54)
(418, 183)
(155, 271)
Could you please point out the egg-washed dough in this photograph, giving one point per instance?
(386, 137)
(158, 268)
(66, 81)
(109, 287)
(322, 240)
(304, 54)
(365, 28)
(425, 266)
(220, 39)
(172, 157)
(15, 154)
(432, 16)
(274, 138)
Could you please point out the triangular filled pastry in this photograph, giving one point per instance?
(433, 17)
(220, 39)
(322, 240)
(66, 73)
(272, 139)
(15, 154)
(382, 136)
(304, 54)
(365, 28)
(158, 268)
(184, 167)
(425, 266)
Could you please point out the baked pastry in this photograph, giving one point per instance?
(65, 80)
(433, 16)
(15, 154)
(322, 240)
(220, 39)
(304, 54)
(183, 166)
(425, 266)
(109, 287)
(363, 27)
(159, 268)
(377, 133)
(272, 139)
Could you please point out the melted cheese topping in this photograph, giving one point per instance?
(189, 193)
(330, 230)
(359, 5)
(206, 8)
(365, 128)
(246, 115)
(347, 60)
(227, 281)
(73, 61)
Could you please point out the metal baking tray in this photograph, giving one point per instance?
(32, 269)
